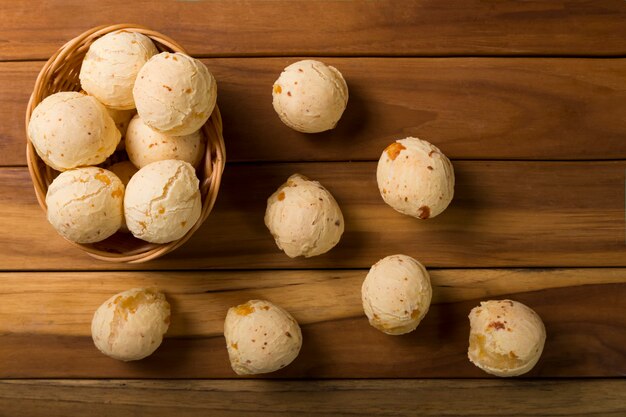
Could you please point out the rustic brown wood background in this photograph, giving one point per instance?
(527, 97)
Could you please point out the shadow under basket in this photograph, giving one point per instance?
(60, 73)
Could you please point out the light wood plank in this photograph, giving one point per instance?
(418, 27)
(505, 214)
(472, 108)
(129, 398)
(45, 323)
(18, 79)
(202, 298)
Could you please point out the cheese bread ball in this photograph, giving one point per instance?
(415, 178)
(506, 337)
(261, 337)
(130, 325)
(85, 204)
(396, 294)
(121, 119)
(310, 96)
(145, 145)
(70, 130)
(124, 171)
(162, 201)
(111, 65)
(175, 94)
(304, 218)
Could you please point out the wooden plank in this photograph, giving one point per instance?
(19, 80)
(472, 108)
(204, 297)
(45, 322)
(129, 398)
(419, 27)
(507, 214)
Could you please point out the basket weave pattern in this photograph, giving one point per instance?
(60, 73)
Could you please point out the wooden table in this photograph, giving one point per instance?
(527, 97)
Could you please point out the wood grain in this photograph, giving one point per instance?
(202, 298)
(504, 214)
(529, 81)
(129, 398)
(45, 323)
(417, 27)
(472, 108)
(18, 79)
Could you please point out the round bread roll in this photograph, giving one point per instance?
(124, 171)
(70, 130)
(506, 337)
(162, 201)
(304, 218)
(396, 294)
(261, 337)
(130, 325)
(415, 178)
(175, 94)
(85, 204)
(111, 65)
(310, 96)
(121, 119)
(145, 145)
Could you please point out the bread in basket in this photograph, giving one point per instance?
(60, 73)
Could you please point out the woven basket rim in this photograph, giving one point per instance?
(211, 170)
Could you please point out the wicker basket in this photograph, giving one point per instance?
(60, 73)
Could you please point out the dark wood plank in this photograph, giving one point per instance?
(417, 27)
(507, 214)
(45, 323)
(472, 108)
(129, 398)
